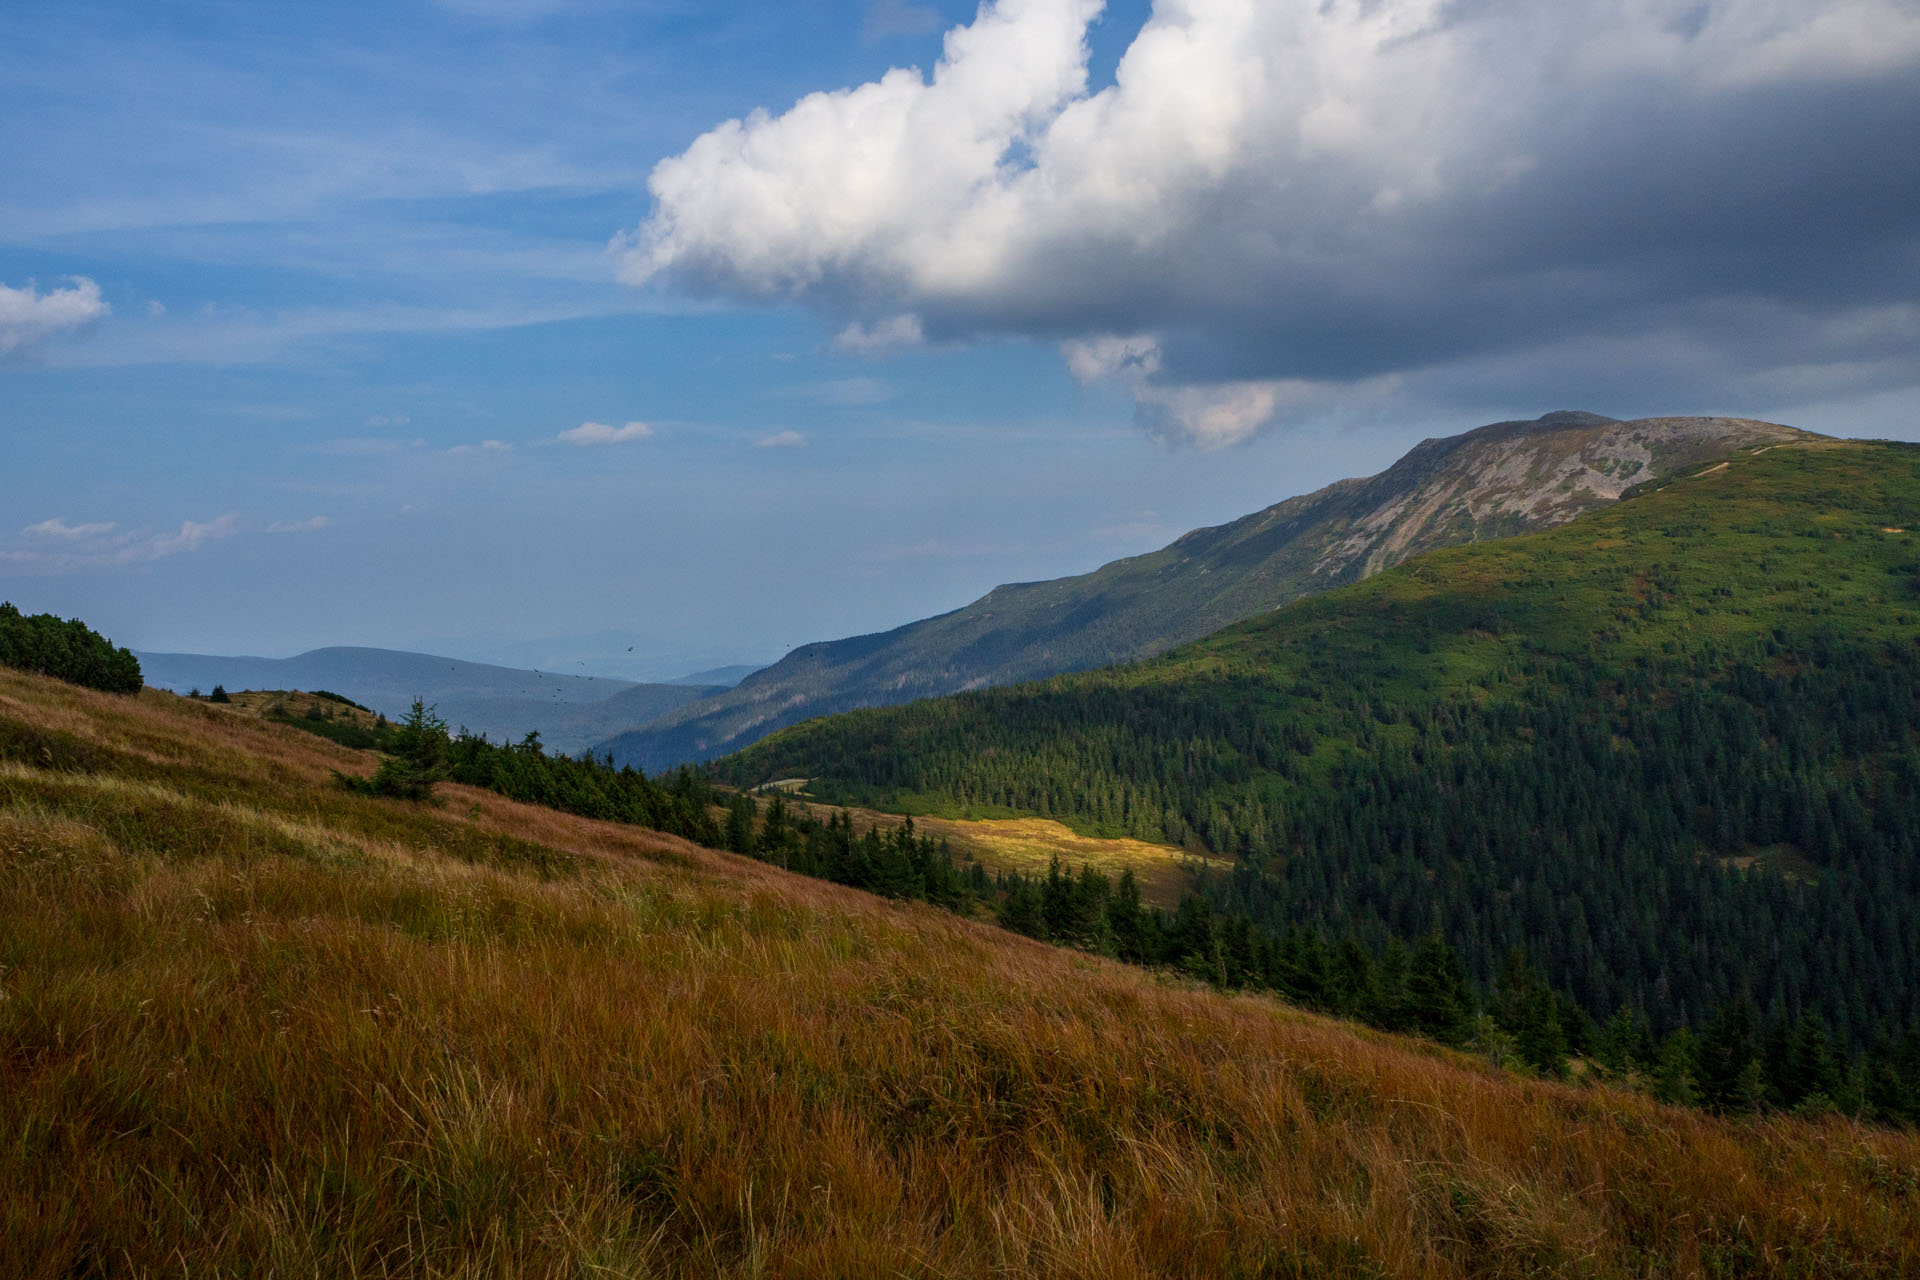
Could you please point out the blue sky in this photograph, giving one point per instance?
(326, 324)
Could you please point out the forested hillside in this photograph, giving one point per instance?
(1495, 481)
(1672, 749)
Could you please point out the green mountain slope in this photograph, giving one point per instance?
(1508, 478)
(1673, 748)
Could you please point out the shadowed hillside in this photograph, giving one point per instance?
(1499, 480)
(251, 1023)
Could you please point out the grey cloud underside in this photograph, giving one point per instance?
(1800, 201)
(1500, 480)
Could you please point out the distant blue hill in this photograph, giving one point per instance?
(722, 677)
(505, 703)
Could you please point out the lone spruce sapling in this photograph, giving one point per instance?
(415, 759)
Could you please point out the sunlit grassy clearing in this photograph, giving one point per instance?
(1030, 845)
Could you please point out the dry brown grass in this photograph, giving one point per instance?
(293, 703)
(251, 1025)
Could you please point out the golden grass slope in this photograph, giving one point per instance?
(1030, 845)
(253, 1025)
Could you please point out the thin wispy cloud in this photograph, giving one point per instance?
(881, 337)
(359, 446)
(781, 440)
(311, 524)
(597, 433)
(846, 393)
(97, 545)
(234, 335)
(58, 528)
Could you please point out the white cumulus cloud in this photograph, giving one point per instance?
(1279, 199)
(1211, 415)
(601, 433)
(29, 317)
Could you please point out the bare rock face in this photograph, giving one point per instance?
(1520, 477)
(1496, 481)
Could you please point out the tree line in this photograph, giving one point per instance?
(1736, 1062)
(419, 752)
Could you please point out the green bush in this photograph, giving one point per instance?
(69, 651)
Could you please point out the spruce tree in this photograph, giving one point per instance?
(1126, 920)
(740, 825)
(1728, 1059)
(1439, 1002)
(416, 758)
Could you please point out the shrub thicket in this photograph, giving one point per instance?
(66, 650)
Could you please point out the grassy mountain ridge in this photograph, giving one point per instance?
(1684, 726)
(1507, 478)
(252, 1023)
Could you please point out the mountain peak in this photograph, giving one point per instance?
(1560, 419)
